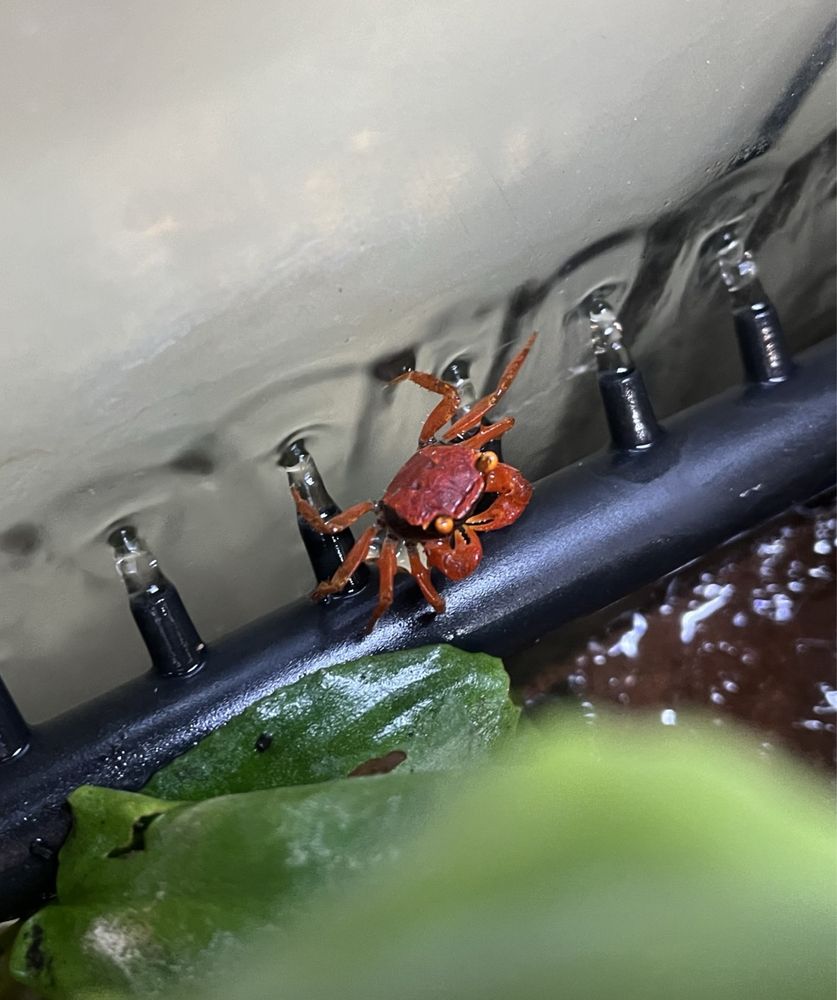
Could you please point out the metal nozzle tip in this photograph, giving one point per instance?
(606, 334)
(459, 370)
(291, 454)
(123, 539)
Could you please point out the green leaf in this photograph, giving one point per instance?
(628, 865)
(439, 705)
(9, 988)
(148, 890)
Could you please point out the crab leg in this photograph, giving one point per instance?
(443, 410)
(332, 525)
(489, 433)
(387, 566)
(513, 493)
(422, 577)
(474, 416)
(357, 554)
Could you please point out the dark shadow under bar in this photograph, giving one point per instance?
(593, 533)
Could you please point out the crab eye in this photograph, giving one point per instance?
(443, 524)
(487, 461)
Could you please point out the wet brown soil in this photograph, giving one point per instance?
(746, 633)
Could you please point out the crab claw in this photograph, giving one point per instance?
(457, 556)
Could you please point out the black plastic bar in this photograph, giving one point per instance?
(761, 342)
(630, 415)
(627, 406)
(14, 733)
(173, 642)
(593, 533)
(325, 552)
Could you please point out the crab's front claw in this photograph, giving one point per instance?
(457, 556)
(513, 494)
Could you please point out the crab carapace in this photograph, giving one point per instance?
(430, 516)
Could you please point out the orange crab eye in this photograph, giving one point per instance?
(443, 524)
(487, 461)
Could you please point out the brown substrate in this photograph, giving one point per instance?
(747, 632)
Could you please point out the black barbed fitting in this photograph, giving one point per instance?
(325, 552)
(14, 733)
(169, 634)
(630, 414)
(761, 339)
(458, 374)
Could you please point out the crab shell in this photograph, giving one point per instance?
(439, 479)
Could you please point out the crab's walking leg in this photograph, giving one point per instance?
(334, 525)
(387, 566)
(425, 584)
(513, 494)
(357, 554)
(489, 433)
(443, 411)
(474, 416)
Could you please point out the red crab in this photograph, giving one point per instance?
(427, 517)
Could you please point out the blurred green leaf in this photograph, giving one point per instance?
(439, 705)
(618, 865)
(9, 988)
